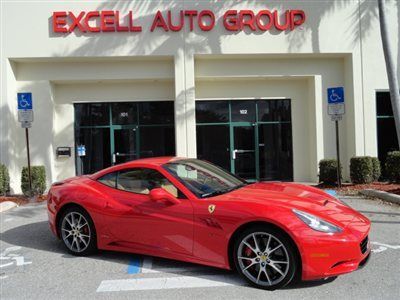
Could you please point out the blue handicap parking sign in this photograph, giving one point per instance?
(24, 100)
(335, 95)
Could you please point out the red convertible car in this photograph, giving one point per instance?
(191, 210)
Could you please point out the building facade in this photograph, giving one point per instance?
(240, 83)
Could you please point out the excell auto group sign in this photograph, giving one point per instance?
(205, 20)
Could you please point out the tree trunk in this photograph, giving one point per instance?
(390, 67)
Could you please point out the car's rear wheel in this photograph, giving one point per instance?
(77, 231)
(265, 257)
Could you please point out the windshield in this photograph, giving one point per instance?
(202, 178)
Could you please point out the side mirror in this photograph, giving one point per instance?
(159, 194)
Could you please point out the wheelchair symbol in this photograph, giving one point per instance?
(23, 102)
(334, 97)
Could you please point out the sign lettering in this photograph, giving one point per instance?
(205, 20)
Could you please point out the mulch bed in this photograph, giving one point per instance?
(21, 199)
(351, 189)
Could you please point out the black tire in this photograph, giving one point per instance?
(268, 272)
(78, 247)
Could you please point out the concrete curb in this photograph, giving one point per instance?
(381, 195)
(6, 205)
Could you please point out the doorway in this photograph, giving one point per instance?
(114, 133)
(250, 138)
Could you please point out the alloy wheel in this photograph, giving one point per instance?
(263, 259)
(75, 232)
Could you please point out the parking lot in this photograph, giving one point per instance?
(34, 264)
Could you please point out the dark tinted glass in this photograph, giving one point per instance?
(92, 114)
(124, 113)
(156, 112)
(97, 144)
(109, 179)
(383, 104)
(387, 138)
(157, 141)
(125, 145)
(275, 146)
(243, 111)
(244, 152)
(212, 111)
(274, 110)
(213, 144)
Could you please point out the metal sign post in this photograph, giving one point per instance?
(25, 116)
(336, 110)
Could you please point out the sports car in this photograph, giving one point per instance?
(272, 233)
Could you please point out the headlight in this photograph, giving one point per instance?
(316, 223)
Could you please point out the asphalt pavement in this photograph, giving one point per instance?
(35, 265)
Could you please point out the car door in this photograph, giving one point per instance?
(135, 221)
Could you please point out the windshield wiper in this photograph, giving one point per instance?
(223, 191)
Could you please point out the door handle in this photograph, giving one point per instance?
(234, 154)
(240, 151)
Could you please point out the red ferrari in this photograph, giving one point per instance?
(191, 210)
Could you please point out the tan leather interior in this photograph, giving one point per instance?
(170, 188)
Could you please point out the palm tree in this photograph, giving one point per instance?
(390, 67)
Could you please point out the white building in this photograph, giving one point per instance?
(233, 84)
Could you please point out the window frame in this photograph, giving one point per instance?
(181, 195)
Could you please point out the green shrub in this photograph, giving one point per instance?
(376, 168)
(38, 181)
(4, 180)
(392, 166)
(361, 169)
(328, 171)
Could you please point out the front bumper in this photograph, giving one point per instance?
(331, 255)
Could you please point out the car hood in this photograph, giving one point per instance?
(301, 197)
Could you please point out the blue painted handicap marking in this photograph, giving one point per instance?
(134, 266)
(331, 192)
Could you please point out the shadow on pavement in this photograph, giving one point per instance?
(39, 237)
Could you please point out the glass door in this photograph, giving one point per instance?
(244, 152)
(125, 145)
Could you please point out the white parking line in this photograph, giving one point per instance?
(384, 247)
(140, 284)
(146, 266)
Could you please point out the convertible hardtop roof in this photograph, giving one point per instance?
(155, 161)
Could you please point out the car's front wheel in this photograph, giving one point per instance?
(77, 231)
(265, 257)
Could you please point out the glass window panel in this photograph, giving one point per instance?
(142, 181)
(275, 146)
(243, 111)
(213, 144)
(92, 114)
(109, 179)
(157, 141)
(212, 111)
(125, 148)
(274, 110)
(124, 113)
(383, 104)
(387, 138)
(244, 151)
(97, 145)
(159, 112)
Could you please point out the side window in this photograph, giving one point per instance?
(109, 179)
(142, 181)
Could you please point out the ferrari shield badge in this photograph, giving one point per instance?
(211, 208)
